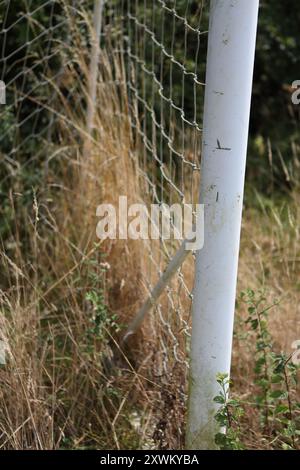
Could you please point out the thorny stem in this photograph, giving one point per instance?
(287, 385)
(228, 416)
(267, 425)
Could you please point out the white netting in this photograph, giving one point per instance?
(161, 49)
(163, 44)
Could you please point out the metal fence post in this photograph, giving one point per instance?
(231, 48)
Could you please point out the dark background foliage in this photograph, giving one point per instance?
(274, 123)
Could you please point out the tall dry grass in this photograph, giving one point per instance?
(65, 295)
(61, 285)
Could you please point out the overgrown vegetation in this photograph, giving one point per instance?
(276, 393)
(65, 298)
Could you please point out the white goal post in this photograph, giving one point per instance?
(231, 47)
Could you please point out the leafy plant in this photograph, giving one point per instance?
(275, 375)
(228, 417)
(101, 319)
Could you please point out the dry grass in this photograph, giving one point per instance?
(55, 391)
(269, 261)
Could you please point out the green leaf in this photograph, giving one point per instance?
(281, 409)
(219, 399)
(277, 378)
(277, 394)
(221, 378)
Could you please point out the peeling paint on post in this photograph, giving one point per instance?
(231, 48)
